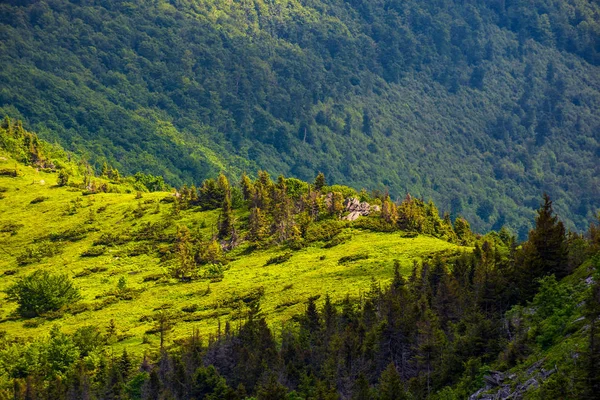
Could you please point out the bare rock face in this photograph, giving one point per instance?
(500, 386)
(356, 208)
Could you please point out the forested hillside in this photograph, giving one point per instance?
(478, 105)
(117, 287)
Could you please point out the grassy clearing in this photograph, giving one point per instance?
(90, 238)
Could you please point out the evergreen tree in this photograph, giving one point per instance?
(319, 182)
(390, 384)
(336, 204)
(389, 211)
(257, 225)
(545, 251)
(226, 217)
(185, 268)
(361, 389)
(63, 178)
(247, 187)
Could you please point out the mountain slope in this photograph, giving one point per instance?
(116, 247)
(478, 106)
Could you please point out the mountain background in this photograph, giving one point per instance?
(479, 106)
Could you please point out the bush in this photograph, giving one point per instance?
(38, 199)
(354, 257)
(280, 259)
(35, 253)
(41, 292)
(94, 251)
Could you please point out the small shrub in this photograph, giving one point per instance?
(94, 251)
(89, 271)
(71, 235)
(36, 253)
(109, 239)
(279, 259)
(353, 257)
(32, 323)
(39, 199)
(153, 277)
(190, 309)
(9, 172)
(42, 292)
(335, 242)
(287, 304)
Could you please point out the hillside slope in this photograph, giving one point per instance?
(478, 106)
(115, 247)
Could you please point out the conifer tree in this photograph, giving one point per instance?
(389, 211)
(319, 182)
(390, 384)
(361, 389)
(336, 205)
(247, 187)
(185, 268)
(545, 251)
(262, 191)
(257, 225)
(226, 217)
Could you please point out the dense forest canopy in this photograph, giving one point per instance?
(480, 106)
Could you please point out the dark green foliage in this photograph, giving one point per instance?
(38, 199)
(545, 252)
(280, 259)
(353, 257)
(41, 292)
(63, 178)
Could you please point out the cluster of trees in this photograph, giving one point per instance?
(454, 101)
(431, 335)
(293, 213)
(25, 147)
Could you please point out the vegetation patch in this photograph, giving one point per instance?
(280, 259)
(353, 257)
(39, 199)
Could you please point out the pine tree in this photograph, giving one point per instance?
(319, 182)
(185, 269)
(247, 187)
(226, 217)
(63, 178)
(390, 384)
(389, 211)
(336, 204)
(545, 251)
(257, 225)
(361, 389)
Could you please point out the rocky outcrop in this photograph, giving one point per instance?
(501, 386)
(356, 208)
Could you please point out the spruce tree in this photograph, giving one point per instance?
(390, 384)
(319, 182)
(226, 217)
(544, 253)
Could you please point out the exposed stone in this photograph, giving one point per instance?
(356, 208)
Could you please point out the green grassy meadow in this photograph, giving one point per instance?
(37, 215)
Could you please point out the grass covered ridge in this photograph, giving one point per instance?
(98, 240)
